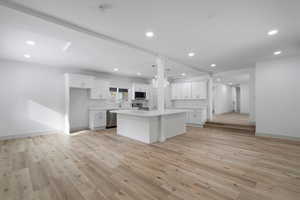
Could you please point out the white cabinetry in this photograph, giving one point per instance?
(189, 90)
(199, 90)
(197, 117)
(138, 87)
(97, 119)
(181, 90)
(100, 90)
(176, 91)
(80, 81)
(186, 90)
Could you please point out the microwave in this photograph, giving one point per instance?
(140, 95)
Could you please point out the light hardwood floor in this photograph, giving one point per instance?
(201, 164)
(232, 118)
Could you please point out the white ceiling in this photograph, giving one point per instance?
(85, 52)
(231, 33)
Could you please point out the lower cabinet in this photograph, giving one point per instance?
(97, 119)
(197, 117)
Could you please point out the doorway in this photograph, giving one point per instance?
(238, 99)
(230, 104)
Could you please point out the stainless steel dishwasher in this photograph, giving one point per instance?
(111, 119)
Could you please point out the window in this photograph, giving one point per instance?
(113, 92)
(123, 94)
(119, 94)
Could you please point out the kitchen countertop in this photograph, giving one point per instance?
(190, 108)
(152, 113)
(110, 108)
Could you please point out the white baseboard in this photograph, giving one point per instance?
(98, 128)
(81, 128)
(31, 134)
(277, 136)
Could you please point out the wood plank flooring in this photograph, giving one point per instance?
(232, 118)
(201, 164)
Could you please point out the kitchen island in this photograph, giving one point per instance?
(150, 126)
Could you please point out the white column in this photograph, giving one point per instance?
(160, 84)
(67, 105)
(161, 95)
(210, 97)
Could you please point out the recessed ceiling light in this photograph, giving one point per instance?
(27, 56)
(213, 65)
(273, 32)
(139, 73)
(191, 54)
(30, 42)
(67, 46)
(149, 34)
(116, 69)
(183, 74)
(277, 52)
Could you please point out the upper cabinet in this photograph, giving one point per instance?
(189, 90)
(176, 91)
(199, 90)
(100, 90)
(139, 87)
(80, 81)
(186, 90)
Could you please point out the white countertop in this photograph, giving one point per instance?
(152, 113)
(110, 108)
(191, 108)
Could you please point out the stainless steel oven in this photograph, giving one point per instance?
(111, 119)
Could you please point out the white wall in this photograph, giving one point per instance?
(252, 95)
(223, 102)
(32, 97)
(278, 97)
(244, 99)
(234, 99)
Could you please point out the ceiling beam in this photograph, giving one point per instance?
(87, 31)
